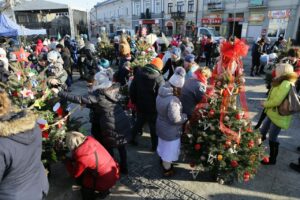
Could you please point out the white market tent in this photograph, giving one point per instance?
(8, 28)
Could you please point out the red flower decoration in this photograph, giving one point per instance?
(22, 55)
(45, 134)
(251, 144)
(246, 176)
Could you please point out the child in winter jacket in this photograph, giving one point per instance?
(170, 120)
(92, 166)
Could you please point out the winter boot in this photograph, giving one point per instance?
(168, 172)
(295, 167)
(273, 153)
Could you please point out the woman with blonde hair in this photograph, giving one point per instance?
(274, 122)
(194, 90)
(92, 166)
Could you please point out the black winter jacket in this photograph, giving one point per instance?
(171, 66)
(22, 174)
(107, 112)
(144, 89)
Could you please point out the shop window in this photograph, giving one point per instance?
(157, 6)
(22, 18)
(191, 6)
(180, 5)
(148, 5)
(277, 27)
(170, 7)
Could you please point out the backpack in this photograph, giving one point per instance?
(291, 104)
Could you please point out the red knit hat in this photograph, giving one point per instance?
(158, 63)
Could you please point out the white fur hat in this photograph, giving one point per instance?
(53, 56)
(103, 79)
(178, 78)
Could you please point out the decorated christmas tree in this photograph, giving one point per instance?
(28, 90)
(219, 137)
(144, 55)
(105, 48)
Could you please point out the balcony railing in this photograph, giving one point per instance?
(258, 3)
(178, 15)
(145, 16)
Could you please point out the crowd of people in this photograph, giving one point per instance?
(163, 94)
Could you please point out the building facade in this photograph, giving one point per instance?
(54, 17)
(148, 13)
(251, 18)
(111, 15)
(181, 16)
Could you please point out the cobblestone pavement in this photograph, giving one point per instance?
(146, 182)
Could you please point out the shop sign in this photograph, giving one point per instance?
(256, 2)
(236, 19)
(211, 20)
(148, 21)
(256, 17)
(279, 14)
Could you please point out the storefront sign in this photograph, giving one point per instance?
(211, 20)
(256, 2)
(256, 17)
(148, 21)
(236, 19)
(279, 14)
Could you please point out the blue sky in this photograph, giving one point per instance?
(79, 4)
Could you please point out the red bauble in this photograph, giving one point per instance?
(246, 176)
(211, 113)
(234, 164)
(192, 165)
(238, 116)
(251, 144)
(45, 134)
(266, 159)
(197, 147)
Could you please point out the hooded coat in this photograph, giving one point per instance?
(144, 89)
(97, 169)
(107, 113)
(280, 89)
(169, 114)
(22, 174)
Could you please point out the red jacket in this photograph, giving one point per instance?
(85, 161)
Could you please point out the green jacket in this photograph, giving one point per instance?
(275, 98)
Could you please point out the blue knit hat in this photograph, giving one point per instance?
(176, 51)
(104, 63)
(189, 58)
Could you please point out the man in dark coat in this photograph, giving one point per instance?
(66, 57)
(22, 174)
(257, 51)
(143, 93)
(173, 62)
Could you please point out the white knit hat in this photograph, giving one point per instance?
(53, 56)
(103, 79)
(283, 69)
(178, 78)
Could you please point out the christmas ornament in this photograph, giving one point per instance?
(197, 147)
(251, 144)
(228, 143)
(45, 134)
(43, 124)
(246, 176)
(219, 83)
(211, 158)
(19, 75)
(220, 157)
(259, 141)
(234, 163)
(211, 113)
(266, 159)
(226, 118)
(58, 109)
(22, 55)
(202, 158)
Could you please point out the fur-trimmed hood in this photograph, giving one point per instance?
(13, 125)
(292, 77)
